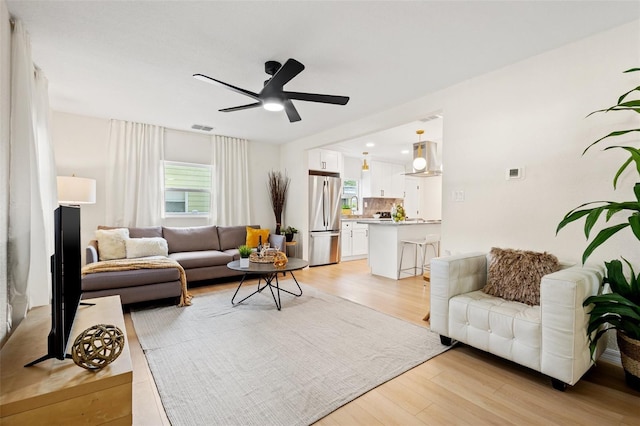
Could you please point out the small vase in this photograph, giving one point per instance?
(630, 356)
(288, 237)
(244, 262)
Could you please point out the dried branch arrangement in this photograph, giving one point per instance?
(278, 186)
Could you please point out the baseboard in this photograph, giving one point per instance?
(611, 356)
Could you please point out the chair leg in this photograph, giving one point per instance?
(559, 385)
(401, 256)
(445, 340)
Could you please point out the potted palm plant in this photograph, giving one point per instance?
(245, 252)
(618, 304)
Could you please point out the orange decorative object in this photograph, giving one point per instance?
(280, 260)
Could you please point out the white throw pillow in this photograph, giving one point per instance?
(143, 247)
(111, 243)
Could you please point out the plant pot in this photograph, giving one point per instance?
(244, 262)
(630, 355)
(288, 237)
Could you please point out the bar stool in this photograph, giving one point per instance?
(431, 240)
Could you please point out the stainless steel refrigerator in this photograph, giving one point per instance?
(324, 219)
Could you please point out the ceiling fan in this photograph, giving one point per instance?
(273, 97)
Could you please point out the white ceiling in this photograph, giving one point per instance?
(133, 60)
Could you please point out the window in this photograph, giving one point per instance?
(350, 193)
(187, 188)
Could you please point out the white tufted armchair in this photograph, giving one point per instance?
(550, 338)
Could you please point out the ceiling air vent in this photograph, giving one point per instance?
(430, 118)
(202, 127)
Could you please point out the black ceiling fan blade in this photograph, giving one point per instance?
(290, 69)
(208, 79)
(291, 111)
(316, 97)
(241, 107)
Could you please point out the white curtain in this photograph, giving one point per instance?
(230, 188)
(134, 174)
(32, 188)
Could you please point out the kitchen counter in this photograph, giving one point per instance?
(402, 223)
(385, 244)
(359, 218)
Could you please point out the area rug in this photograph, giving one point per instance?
(250, 364)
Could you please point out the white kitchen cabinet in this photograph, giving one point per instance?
(412, 198)
(423, 198)
(384, 180)
(345, 239)
(360, 240)
(354, 240)
(325, 160)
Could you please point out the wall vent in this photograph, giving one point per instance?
(430, 118)
(202, 127)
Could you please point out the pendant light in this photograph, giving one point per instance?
(365, 166)
(419, 162)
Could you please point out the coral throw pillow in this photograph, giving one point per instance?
(516, 274)
(253, 236)
(111, 243)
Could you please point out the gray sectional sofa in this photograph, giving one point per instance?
(203, 252)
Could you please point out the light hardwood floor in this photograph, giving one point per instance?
(462, 386)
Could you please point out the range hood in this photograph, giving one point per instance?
(425, 153)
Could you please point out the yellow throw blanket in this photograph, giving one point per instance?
(151, 262)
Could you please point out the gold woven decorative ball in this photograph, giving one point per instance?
(97, 346)
(280, 260)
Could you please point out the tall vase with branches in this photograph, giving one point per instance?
(278, 186)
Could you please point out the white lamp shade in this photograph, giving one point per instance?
(76, 190)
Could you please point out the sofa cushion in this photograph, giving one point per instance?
(128, 278)
(143, 247)
(201, 259)
(111, 243)
(235, 253)
(194, 238)
(516, 274)
(233, 236)
(512, 330)
(255, 236)
(143, 232)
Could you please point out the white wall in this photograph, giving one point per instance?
(80, 145)
(530, 114)
(80, 148)
(5, 96)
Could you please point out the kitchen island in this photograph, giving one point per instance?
(385, 244)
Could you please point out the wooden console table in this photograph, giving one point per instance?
(58, 391)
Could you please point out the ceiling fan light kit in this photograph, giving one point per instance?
(273, 97)
(272, 105)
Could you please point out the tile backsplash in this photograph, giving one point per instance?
(374, 205)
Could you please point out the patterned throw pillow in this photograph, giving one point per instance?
(111, 243)
(516, 274)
